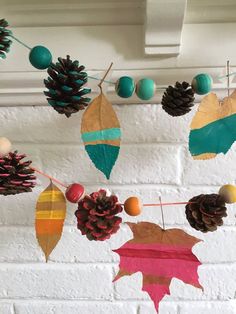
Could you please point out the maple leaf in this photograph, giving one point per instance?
(159, 255)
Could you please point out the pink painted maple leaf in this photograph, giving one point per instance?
(159, 255)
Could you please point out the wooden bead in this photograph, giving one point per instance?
(228, 192)
(40, 57)
(145, 89)
(133, 206)
(5, 146)
(125, 87)
(74, 192)
(202, 84)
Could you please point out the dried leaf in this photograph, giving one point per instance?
(50, 216)
(100, 129)
(159, 255)
(213, 128)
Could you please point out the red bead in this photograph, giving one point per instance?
(74, 192)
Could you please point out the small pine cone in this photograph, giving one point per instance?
(178, 100)
(5, 42)
(205, 212)
(96, 215)
(65, 86)
(15, 175)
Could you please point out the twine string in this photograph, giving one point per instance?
(20, 42)
(228, 77)
(113, 83)
(48, 176)
(144, 205)
(162, 214)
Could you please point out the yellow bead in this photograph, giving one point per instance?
(5, 146)
(228, 192)
(133, 206)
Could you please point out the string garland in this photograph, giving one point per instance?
(108, 81)
(66, 186)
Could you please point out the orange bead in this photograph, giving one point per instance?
(133, 206)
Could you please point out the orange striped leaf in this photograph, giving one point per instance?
(50, 216)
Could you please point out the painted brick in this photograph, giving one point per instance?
(228, 307)
(154, 161)
(75, 308)
(6, 308)
(150, 122)
(211, 277)
(20, 244)
(77, 166)
(56, 281)
(164, 307)
(217, 171)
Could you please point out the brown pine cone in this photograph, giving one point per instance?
(15, 175)
(96, 215)
(205, 212)
(65, 86)
(5, 41)
(178, 100)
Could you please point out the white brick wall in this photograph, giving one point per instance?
(153, 161)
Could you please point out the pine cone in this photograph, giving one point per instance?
(65, 86)
(15, 176)
(206, 211)
(96, 215)
(5, 42)
(178, 100)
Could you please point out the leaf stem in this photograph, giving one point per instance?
(105, 75)
(162, 214)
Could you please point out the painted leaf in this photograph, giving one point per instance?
(101, 134)
(213, 128)
(159, 255)
(50, 216)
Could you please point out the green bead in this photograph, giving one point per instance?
(125, 87)
(202, 83)
(40, 57)
(145, 89)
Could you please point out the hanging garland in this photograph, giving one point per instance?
(67, 95)
(98, 219)
(98, 213)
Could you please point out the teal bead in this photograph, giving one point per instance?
(40, 57)
(202, 84)
(145, 89)
(125, 87)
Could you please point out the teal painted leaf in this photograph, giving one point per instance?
(103, 156)
(100, 131)
(216, 137)
(213, 128)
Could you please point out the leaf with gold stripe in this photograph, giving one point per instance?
(50, 216)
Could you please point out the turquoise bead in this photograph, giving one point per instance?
(202, 83)
(145, 88)
(40, 57)
(125, 87)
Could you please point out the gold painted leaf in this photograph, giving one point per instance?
(50, 216)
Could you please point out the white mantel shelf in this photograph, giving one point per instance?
(201, 39)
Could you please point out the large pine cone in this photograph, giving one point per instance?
(178, 100)
(5, 42)
(15, 176)
(96, 215)
(65, 86)
(206, 211)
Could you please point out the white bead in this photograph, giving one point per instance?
(5, 146)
